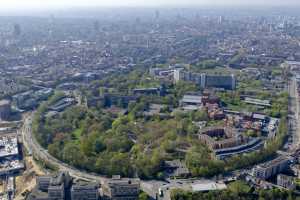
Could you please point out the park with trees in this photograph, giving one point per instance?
(130, 144)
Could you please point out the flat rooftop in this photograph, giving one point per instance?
(122, 181)
(195, 185)
(4, 102)
(84, 185)
(274, 162)
(258, 101)
(198, 187)
(192, 99)
(8, 165)
(8, 145)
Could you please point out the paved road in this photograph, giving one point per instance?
(294, 125)
(33, 146)
(150, 187)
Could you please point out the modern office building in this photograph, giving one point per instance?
(119, 188)
(85, 191)
(43, 182)
(285, 181)
(5, 109)
(271, 168)
(227, 82)
(56, 191)
(52, 187)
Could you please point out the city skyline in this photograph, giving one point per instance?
(15, 5)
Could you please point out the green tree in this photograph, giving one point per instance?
(73, 155)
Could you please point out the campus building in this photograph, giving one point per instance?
(52, 187)
(227, 82)
(271, 168)
(226, 142)
(85, 191)
(285, 181)
(119, 188)
(228, 137)
(5, 109)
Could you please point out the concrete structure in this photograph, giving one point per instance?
(271, 168)
(189, 185)
(191, 102)
(161, 71)
(85, 191)
(217, 81)
(251, 145)
(10, 162)
(225, 142)
(43, 182)
(52, 187)
(228, 137)
(10, 165)
(176, 168)
(286, 181)
(149, 91)
(206, 81)
(294, 65)
(63, 104)
(5, 109)
(258, 102)
(25, 100)
(156, 109)
(119, 188)
(8, 146)
(56, 191)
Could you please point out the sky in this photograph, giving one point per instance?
(6, 5)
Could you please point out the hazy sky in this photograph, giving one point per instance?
(44, 4)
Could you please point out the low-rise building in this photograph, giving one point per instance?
(56, 191)
(63, 104)
(191, 102)
(5, 109)
(189, 185)
(228, 137)
(149, 91)
(156, 109)
(119, 188)
(258, 102)
(85, 191)
(286, 181)
(43, 182)
(51, 187)
(225, 142)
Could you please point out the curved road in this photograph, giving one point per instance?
(151, 187)
(30, 143)
(34, 147)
